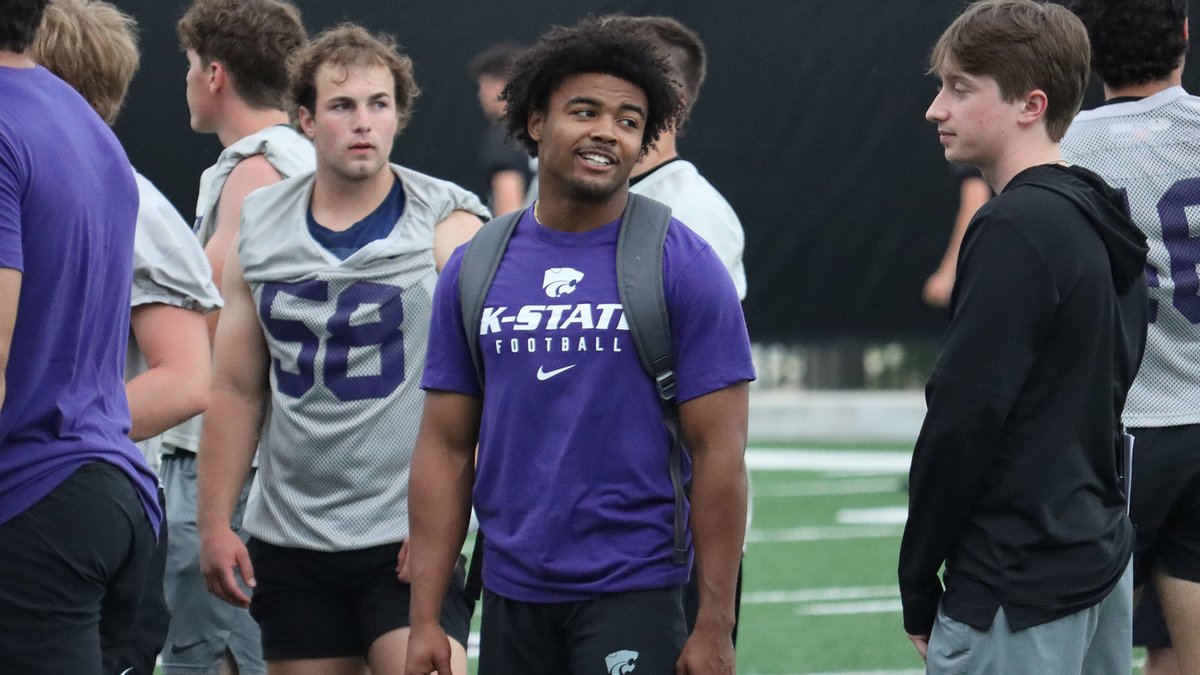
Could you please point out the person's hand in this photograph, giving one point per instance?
(402, 563)
(707, 652)
(921, 642)
(938, 287)
(428, 650)
(222, 552)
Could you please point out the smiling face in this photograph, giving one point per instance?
(354, 121)
(975, 124)
(589, 137)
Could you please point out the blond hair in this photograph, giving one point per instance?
(92, 46)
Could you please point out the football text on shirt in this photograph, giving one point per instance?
(584, 316)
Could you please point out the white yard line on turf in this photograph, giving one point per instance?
(842, 608)
(888, 515)
(820, 488)
(872, 461)
(820, 594)
(823, 533)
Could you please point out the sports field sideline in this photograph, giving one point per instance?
(820, 595)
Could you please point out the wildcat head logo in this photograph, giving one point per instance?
(621, 662)
(560, 281)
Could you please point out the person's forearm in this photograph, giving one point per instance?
(718, 520)
(508, 191)
(162, 398)
(227, 444)
(439, 511)
(10, 297)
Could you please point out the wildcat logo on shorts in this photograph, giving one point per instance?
(621, 662)
(560, 281)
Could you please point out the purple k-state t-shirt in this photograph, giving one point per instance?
(68, 209)
(572, 487)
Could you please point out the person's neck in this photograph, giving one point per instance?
(16, 60)
(338, 203)
(1033, 151)
(240, 120)
(663, 150)
(562, 213)
(1175, 79)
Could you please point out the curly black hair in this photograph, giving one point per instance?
(1133, 41)
(591, 46)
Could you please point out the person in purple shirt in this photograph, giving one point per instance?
(571, 486)
(79, 509)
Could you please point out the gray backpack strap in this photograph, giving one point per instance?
(643, 297)
(479, 265)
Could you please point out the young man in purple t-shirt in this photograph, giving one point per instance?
(572, 486)
(78, 504)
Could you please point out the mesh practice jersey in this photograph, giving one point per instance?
(347, 341)
(291, 154)
(1149, 149)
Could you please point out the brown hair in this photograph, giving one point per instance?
(495, 60)
(1024, 45)
(251, 38)
(92, 46)
(682, 48)
(346, 46)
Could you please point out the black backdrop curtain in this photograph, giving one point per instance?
(811, 123)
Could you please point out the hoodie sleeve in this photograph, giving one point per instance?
(1004, 298)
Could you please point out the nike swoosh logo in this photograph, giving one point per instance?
(543, 375)
(179, 649)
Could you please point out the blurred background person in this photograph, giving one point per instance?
(506, 167)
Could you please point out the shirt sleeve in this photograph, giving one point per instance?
(169, 266)
(448, 362)
(11, 188)
(1004, 300)
(708, 328)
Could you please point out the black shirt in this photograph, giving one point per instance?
(497, 153)
(1015, 476)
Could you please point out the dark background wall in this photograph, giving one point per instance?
(811, 123)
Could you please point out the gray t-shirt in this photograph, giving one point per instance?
(169, 268)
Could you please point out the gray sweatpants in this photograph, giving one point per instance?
(202, 626)
(1093, 641)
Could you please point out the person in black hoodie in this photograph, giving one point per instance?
(1017, 475)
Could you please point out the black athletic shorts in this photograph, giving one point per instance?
(319, 605)
(1149, 625)
(72, 569)
(1165, 504)
(635, 632)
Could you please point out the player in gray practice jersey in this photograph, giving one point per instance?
(1145, 140)
(328, 297)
